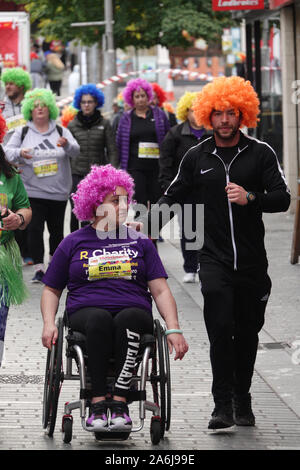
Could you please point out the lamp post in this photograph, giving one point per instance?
(109, 55)
(108, 51)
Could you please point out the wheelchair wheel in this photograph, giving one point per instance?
(53, 381)
(161, 382)
(155, 430)
(168, 383)
(67, 428)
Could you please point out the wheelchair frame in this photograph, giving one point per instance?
(153, 348)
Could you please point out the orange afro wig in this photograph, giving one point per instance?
(223, 93)
(3, 127)
(160, 93)
(67, 115)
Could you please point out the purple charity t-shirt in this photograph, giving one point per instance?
(110, 273)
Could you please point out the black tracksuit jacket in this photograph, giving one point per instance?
(233, 234)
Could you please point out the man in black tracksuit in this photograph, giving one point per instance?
(237, 178)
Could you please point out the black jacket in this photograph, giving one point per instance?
(233, 234)
(176, 143)
(97, 143)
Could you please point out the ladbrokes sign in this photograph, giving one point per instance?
(237, 5)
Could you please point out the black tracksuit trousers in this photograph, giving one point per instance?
(234, 308)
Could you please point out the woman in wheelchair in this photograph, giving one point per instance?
(111, 273)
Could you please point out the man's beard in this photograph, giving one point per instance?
(16, 96)
(230, 136)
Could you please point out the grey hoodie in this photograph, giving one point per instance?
(53, 181)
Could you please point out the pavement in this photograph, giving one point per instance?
(276, 382)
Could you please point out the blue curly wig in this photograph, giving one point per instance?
(88, 89)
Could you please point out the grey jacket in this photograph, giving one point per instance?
(54, 184)
(97, 144)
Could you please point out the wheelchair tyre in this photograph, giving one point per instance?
(53, 380)
(160, 382)
(155, 430)
(67, 429)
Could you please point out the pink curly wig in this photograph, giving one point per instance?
(99, 182)
(223, 93)
(160, 93)
(134, 85)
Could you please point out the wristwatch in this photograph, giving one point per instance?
(22, 219)
(250, 197)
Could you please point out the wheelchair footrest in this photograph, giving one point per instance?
(112, 436)
(133, 395)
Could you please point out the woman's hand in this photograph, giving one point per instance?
(11, 221)
(26, 153)
(178, 342)
(62, 142)
(49, 335)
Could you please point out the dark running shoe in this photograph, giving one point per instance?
(222, 416)
(97, 420)
(242, 410)
(38, 276)
(120, 419)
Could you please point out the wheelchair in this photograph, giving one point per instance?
(152, 367)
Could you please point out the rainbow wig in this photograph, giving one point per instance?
(67, 115)
(18, 76)
(160, 93)
(225, 93)
(135, 85)
(88, 89)
(3, 127)
(44, 96)
(184, 104)
(93, 189)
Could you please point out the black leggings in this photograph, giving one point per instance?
(111, 335)
(146, 187)
(53, 213)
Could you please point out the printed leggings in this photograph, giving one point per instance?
(111, 335)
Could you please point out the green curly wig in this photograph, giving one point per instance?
(17, 76)
(184, 104)
(44, 96)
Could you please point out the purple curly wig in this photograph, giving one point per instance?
(89, 89)
(134, 85)
(93, 189)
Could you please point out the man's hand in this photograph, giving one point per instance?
(237, 194)
(138, 226)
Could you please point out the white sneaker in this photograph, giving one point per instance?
(189, 277)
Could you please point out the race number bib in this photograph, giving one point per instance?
(109, 267)
(15, 121)
(44, 168)
(148, 150)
